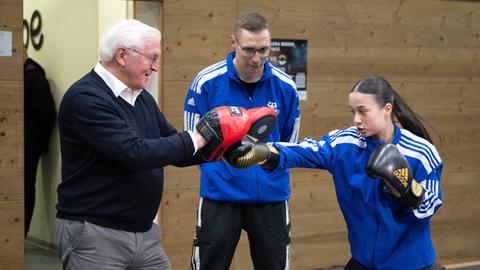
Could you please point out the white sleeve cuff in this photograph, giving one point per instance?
(194, 141)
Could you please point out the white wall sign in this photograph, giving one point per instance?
(5, 43)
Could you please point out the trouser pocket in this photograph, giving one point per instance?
(69, 236)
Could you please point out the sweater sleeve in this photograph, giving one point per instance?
(101, 125)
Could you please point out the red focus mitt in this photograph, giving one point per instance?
(224, 126)
(262, 121)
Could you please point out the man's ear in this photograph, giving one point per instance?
(232, 41)
(120, 56)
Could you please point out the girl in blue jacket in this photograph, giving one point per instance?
(383, 232)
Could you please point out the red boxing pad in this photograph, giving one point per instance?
(222, 127)
(234, 122)
(262, 121)
(226, 125)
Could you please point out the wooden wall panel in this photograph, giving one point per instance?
(173, 103)
(11, 139)
(178, 213)
(455, 227)
(428, 50)
(196, 34)
(11, 241)
(11, 21)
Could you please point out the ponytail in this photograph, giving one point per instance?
(409, 119)
(384, 93)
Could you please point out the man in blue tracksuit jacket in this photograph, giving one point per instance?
(252, 199)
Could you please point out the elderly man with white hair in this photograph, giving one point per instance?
(114, 145)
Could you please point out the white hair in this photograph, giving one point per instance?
(126, 33)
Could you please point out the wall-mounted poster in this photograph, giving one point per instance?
(290, 56)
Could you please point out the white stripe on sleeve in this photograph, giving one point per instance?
(431, 200)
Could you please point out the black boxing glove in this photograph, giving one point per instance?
(249, 152)
(388, 163)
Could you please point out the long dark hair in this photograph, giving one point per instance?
(384, 93)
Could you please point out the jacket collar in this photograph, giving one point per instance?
(267, 69)
(397, 134)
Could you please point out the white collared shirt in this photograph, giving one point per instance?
(118, 87)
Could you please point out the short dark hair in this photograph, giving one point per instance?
(252, 22)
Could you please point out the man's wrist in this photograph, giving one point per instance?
(197, 139)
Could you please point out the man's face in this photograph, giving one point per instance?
(140, 63)
(251, 50)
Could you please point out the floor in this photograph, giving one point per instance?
(40, 258)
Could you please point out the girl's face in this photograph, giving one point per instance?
(370, 118)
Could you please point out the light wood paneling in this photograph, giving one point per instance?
(195, 33)
(428, 50)
(11, 241)
(11, 21)
(173, 103)
(455, 227)
(11, 140)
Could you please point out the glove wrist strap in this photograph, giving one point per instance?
(272, 160)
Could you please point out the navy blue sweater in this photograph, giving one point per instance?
(113, 156)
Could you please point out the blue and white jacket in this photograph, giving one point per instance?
(219, 85)
(383, 233)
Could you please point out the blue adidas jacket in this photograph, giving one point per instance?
(383, 233)
(219, 85)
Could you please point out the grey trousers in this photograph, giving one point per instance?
(83, 245)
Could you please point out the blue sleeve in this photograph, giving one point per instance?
(195, 105)
(292, 127)
(433, 194)
(427, 165)
(306, 154)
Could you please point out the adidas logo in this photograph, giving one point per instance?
(402, 176)
(191, 102)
